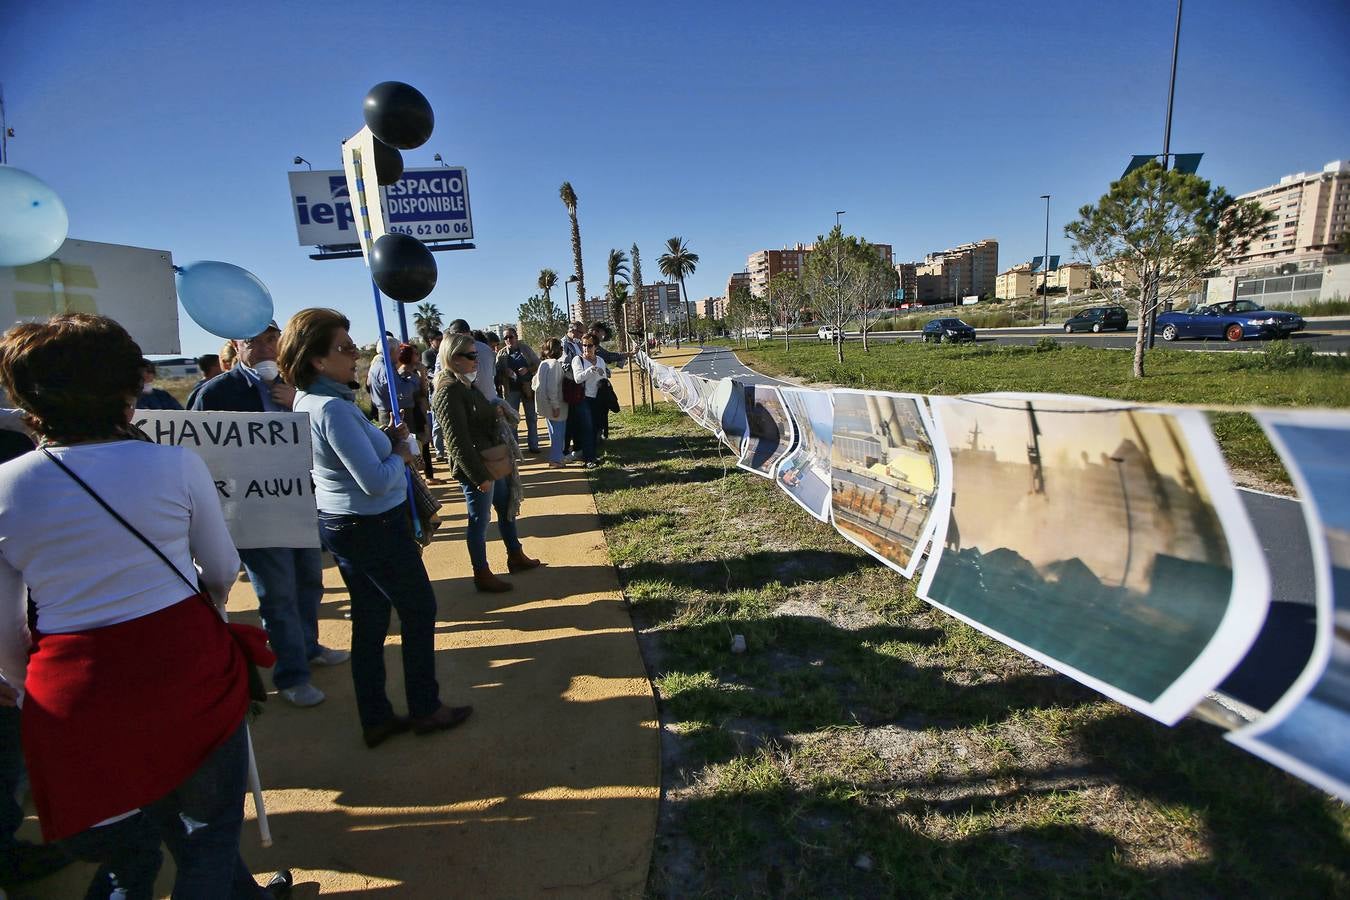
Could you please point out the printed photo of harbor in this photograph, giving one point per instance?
(1312, 737)
(884, 475)
(1089, 535)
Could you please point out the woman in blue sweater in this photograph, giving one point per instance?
(360, 486)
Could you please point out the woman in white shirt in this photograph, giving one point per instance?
(548, 398)
(588, 370)
(134, 695)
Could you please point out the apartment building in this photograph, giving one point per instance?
(736, 281)
(588, 311)
(763, 265)
(945, 276)
(662, 301)
(711, 308)
(1021, 281)
(1312, 215)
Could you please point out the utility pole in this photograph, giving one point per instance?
(1045, 266)
(1167, 162)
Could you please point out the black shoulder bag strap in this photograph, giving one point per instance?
(195, 588)
(257, 691)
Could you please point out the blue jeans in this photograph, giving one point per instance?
(557, 436)
(199, 821)
(515, 400)
(480, 504)
(289, 585)
(437, 439)
(382, 569)
(580, 416)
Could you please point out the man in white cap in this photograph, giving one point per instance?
(287, 580)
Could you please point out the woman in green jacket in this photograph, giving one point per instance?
(470, 424)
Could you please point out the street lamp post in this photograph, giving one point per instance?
(1045, 266)
(567, 295)
(301, 159)
(1167, 160)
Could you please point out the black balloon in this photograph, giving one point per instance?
(399, 115)
(403, 267)
(388, 163)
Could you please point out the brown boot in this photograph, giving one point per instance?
(517, 561)
(485, 581)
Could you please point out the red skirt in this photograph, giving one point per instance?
(115, 718)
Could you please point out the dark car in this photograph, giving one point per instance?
(1232, 320)
(1098, 319)
(954, 330)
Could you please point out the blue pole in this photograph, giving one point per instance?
(395, 418)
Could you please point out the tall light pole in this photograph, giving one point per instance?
(837, 214)
(567, 297)
(300, 159)
(1167, 161)
(1045, 265)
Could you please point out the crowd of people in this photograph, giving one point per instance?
(116, 561)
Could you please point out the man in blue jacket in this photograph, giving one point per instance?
(287, 580)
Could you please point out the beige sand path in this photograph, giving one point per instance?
(551, 788)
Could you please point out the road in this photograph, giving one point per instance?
(1323, 335)
(1285, 642)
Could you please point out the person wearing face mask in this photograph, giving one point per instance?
(287, 580)
(152, 397)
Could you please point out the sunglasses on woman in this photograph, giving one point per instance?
(473, 355)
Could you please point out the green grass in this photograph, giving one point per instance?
(869, 745)
(1332, 307)
(1282, 375)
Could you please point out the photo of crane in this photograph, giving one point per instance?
(1104, 540)
(1308, 731)
(885, 475)
(770, 433)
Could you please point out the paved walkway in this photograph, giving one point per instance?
(550, 789)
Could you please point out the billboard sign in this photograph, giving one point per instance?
(429, 204)
(132, 285)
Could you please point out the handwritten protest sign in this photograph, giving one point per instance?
(260, 463)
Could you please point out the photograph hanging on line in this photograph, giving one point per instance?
(805, 472)
(886, 475)
(1307, 733)
(1103, 540)
(769, 432)
(728, 412)
(688, 390)
(702, 393)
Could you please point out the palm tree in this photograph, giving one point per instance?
(548, 280)
(427, 320)
(678, 262)
(617, 266)
(569, 199)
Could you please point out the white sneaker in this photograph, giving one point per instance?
(329, 656)
(570, 457)
(303, 695)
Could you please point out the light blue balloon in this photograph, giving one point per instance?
(33, 220)
(225, 300)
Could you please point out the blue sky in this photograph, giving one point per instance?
(736, 126)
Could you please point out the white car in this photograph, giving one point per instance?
(763, 334)
(827, 333)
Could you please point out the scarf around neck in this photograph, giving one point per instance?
(328, 387)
